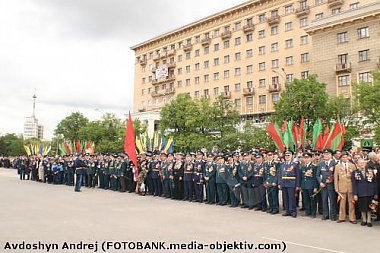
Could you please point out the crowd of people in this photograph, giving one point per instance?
(339, 186)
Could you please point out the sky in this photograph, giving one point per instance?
(75, 54)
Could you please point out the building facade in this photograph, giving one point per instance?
(248, 53)
(32, 129)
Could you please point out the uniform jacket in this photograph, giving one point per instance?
(288, 175)
(364, 183)
(308, 176)
(343, 177)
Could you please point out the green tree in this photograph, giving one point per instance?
(70, 126)
(11, 145)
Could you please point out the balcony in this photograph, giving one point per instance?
(142, 62)
(164, 92)
(226, 94)
(141, 108)
(163, 80)
(226, 35)
(206, 41)
(249, 28)
(334, 3)
(156, 57)
(273, 20)
(163, 54)
(170, 52)
(303, 11)
(154, 69)
(171, 64)
(187, 47)
(276, 87)
(343, 67)
(248, 91)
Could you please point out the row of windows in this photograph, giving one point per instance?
(364, 77)
(362, 33)
(363, 55)
(249, 22)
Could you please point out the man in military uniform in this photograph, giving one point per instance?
(271, 183)
(233, 180)
(91, 171)
(156, 171)
(80, 170)
(309, 185)
(221, 178)
(177, 177)
(112, 172)
(210, 179)
(100, 171)
(106, 171)
(289, 182)
(258, 184)
(245, 173)
(198, 176)
(188, 170)
(123, 177)
(325, 178)
(166, 170)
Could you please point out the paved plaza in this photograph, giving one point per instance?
(32, 212)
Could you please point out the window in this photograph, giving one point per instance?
(237, 87)
(238, 102)
(319, 15)
(288, 26)
(249, 84)
(249, 100)
(226, 74)
(150, 78)
(206, 78)
(304, 39)
(304, 74)
(237, 26)
(274, 30)
(226, 28)
(196, 80)
(216, 76)
(187, 82)
(249, 53)
(275, 80)
(304, 22)
(216, 91)
(289, 78)
(217, 33)
(188, 69)
(365, 77)
(188, 42)
(262, 83)
(342, 37)
(237, 41)
(206, 64)
(289, 60)
(197, 66)
(262, 99)
(249, 21)
(274, 47)
(305, 57)
(275, 63)
(275, 97)
(343, 80)
(180, 44)
(179, 71)
(179, 84)
(289, 43)
(262, 66)
(197, 39)
(226, 59)
(143, 80)
(249, 37)
(303, 4)
(196, 94)
(207, 35)
(216, 61)
(237, 71)
(262, 18)
(226, 88)
(335, 11)
(289, 9)
(206, 50)
(261, 34)
(342, 58)
(249, 69)
(216, 47)
(364, 55)
(237, 56)
(187, 55)
(363, 33)
(261, 50)
(354, 5)
(179, 58)
(226, 44)
(317, 2)
(143, 92)
(274, 13)
(205, 91)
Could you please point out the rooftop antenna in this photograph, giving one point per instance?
(34, 104)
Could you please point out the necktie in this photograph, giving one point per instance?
(346, 167)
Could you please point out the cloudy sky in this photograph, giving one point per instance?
(75, 54)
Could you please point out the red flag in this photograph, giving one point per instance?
(130, 142)
(295, 134)
(325, 136)
(274, 132)
(341, 144)
(302, 133)
(78, 147)
(335, 132)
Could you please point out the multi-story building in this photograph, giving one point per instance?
(32, 129)
(248, 53)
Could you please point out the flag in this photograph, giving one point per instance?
(325, 136)
(295, 133)
(341, 144)
(78, 150)
(317, 130)
(130, 142)
(302, 133)
(335, 137)
(274, 132)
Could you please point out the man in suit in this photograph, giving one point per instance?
(343, 187)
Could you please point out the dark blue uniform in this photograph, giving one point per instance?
(288, 180)
(198, 179)
(325, 175)
(271, 184)
(210, 174)
(233, 182)
(245, 171)
(177, 174)
(308, 185)
(258, 187)
(188, 170)
(155, 167)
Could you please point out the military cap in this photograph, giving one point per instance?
(269, 152)
(149, 153)
(210, 155)
(343, 154)
(200, 152)
(328, 150)
(245, 154)
(259, 155)
(289, 151)
(163, 153)
(170, 154)
(188, 154)
(306, 154)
